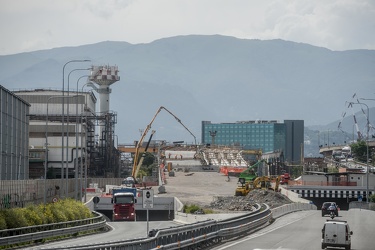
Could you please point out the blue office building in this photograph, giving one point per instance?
(270, 136)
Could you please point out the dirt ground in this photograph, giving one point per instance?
(199, 188)
(212, 190)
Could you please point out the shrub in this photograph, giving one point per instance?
(61, 211)
(190, 209)
(80, 211)
(15, 218)
(47, 213)
(3, 223)
(57, 211)
(33, 216)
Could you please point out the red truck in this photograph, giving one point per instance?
(285, 179)
(123, 200)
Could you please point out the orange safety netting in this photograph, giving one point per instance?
(234, 170)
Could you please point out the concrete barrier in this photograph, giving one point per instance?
(184, 218)
(289, 208)
(292, 195)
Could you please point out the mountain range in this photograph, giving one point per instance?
(212, 78)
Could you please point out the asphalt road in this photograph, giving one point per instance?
(302, 231)
(120, 231)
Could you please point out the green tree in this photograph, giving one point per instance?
(147, 165)
(359, 151)
(148, 159)
(372, 198)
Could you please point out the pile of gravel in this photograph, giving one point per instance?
(246, 203)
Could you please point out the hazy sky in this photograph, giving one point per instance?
(29, 25)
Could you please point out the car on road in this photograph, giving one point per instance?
(327, 205)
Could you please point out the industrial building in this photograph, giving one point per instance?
(269, 136)
(14, 136)
(58, 135)
(47, 133)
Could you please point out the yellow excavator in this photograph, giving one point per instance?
(262, 182)
(267, 183)
(244, 188)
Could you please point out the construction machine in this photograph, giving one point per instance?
(138, 160)
(244, 188)
(265, 182)
(285, 178)
(136, 169)
(277, 183)
(249, 174)
(262, 182)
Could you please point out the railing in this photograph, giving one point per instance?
(200, 234)
(322, 183)
(362, 205)
(34, 233)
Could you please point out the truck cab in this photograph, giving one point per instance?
(336, 233)
(285, 179)
(123, 201)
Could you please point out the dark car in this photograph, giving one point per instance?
(325, 208)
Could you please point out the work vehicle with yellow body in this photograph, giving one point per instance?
(262, 182)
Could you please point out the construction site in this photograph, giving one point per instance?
(69, 138)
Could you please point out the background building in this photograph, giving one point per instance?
(14, 136)
(294, 141)
(269, 136)
(46, 127)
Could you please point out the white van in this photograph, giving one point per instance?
(336, 233)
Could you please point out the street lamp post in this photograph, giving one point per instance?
(118, 161)
(86, 152)
(62, 119)
(368, 128)
(76, 160)
(367, 163)
(46, 147)
(213, 134)
(19, 167)
(86, 161)
(67, 134)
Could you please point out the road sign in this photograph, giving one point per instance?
(360, 198)
(96, 200)
(148, 198)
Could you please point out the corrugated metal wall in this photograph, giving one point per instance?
(14, 136)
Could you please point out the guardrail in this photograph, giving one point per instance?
(200, 234)
(362, 205)
(40, 232)
(183, 236)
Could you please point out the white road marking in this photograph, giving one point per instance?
(252, 236)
